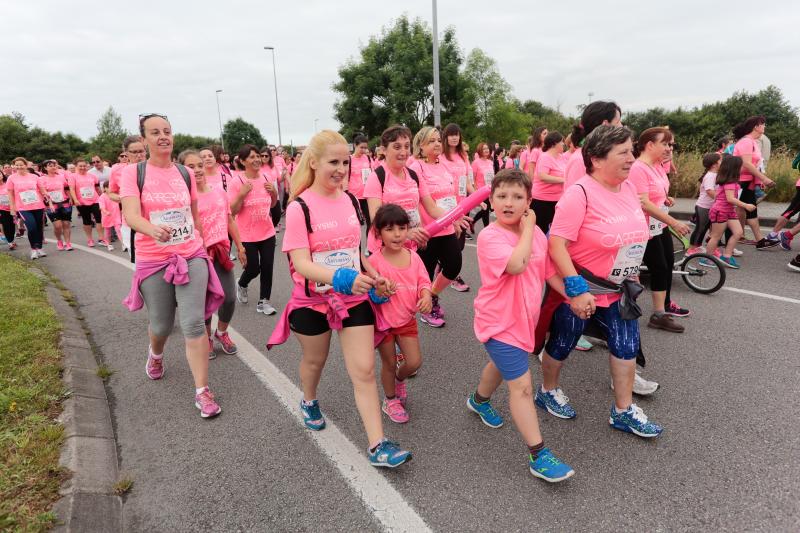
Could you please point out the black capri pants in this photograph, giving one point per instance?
(544, 210)
(445, 251)
(260, 258)
(89, 212)
(659, 257)
(748, 196)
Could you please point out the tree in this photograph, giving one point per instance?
(238, 132)
(15, 137)
(110, 134)
(182, 141)
(486, 86)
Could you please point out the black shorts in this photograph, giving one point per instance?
(62, 212)
(748, 196)
(89, 212)
(794, 206)
(306, 321)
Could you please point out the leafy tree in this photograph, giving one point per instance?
(486, 86)
(238, 132)
(15, 137)
(182, 141)
(110, 134)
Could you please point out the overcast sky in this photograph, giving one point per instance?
(64, 62)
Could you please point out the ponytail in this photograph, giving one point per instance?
(304, 175)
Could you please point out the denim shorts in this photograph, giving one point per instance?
(566, 328)
(512, 362)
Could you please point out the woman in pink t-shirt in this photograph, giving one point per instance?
(599, 229)
(251, 195)
(272, 170)
(548, 181)
(534, 149)
(723, 211)
(59, 210)
(595, 114)
(85, 190)
(172, 267)
(26, 197)
(360, 169)
(483, 170)
(332, 280)
(217, 175)
(652, 185)
(133, 145)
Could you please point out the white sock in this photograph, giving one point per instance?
(618, 410)
(200, 390)
(155, 355)
(307, 402)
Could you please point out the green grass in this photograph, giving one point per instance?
(103, 372)
(30, 400)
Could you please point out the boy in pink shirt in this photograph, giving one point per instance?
(111, 216)
(511, 258)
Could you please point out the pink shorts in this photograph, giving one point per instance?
(720, 217)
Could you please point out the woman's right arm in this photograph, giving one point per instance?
(301, 260)
(132, 209)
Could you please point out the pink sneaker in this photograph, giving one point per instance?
(90, 243)
(205, 402)
(60, 245)
(400, 391)
(155, 366)
(432, 319)
(68, 247)
(226, 343)
(459, 285)
(696, 250)
(211, 353)
(717, 253)
(12, 246)
(395, 410)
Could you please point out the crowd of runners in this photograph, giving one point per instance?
(568, 221)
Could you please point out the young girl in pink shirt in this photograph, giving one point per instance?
(723, 211)
(111, 216)
(511, 259)
(412, 294)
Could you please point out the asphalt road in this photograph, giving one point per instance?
(728, 460)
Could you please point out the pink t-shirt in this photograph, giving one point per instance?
(440, 186)
(744, 147)
(112, 216)
(213, 208)
(25, 189)
(510, 163)
(360, 169)
(575, 169)
(165, 200)
(5, 203)
(531, 158)
(721, 204)
(460, 170)
(483, 169)
(550, 192)
(403, 192)
(215, 180)
(607, 233)
(253, 218)
(86, 188)
(507, 305)
(647, 179)
(116, 173)
(565, 158)
(709, 183)
(335, 240)
(57, 188)
(273, 173)
(411, 280)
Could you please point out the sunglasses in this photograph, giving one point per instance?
(95, 160)
(144, 117)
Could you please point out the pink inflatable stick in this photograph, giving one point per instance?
(459, 211)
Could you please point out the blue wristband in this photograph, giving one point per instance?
(343, 280)
(373, 295)
(575, 286)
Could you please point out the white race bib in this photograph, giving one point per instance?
(448, 203)
(28, 197)
(87, 193)
(4, 201)
(335, 259)
(365, 172)
(462, 185)
(627, 263)
(56, 196)
(471, 177)
(180, 222)
(413, 216)
(656, 226)
(488, 177)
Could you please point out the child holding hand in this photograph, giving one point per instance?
(111, 216)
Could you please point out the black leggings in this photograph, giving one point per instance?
(544, 210)
(260, 258)
(7, 223)
(659, 256)
(275, 214)
(483, 214)
(443, 250)
(794, 206)
(365, 211)
(701, 226)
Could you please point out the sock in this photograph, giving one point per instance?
(439, 284)
(659, 313)
(479, 399)
(536, 449)
(218, 332)
(618, 410)
(200, 390)
(154, 355)
(373, 448)
(307, 403)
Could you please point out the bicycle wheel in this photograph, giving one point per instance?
(703, 273)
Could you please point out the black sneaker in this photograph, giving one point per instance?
(676, 310)
(765, 243)
(794, 264)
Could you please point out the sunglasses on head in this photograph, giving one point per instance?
(144, 117)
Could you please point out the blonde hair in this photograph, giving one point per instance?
(304, 176)
(421, 139)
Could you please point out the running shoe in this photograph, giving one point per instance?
(102, 242)
(794, 264)
(68, 247)
(634, 421)
(3, 239)
(729, 262)
(548, 467)
(737, 252)
(765, 244)
(676, 310)
(695, 250)
(707, 262)
(459, 285)
(34, 254)
(41, 252)
(211, 353)
(555, 402)
(60, 246)
(90, 243)
(394, 410)
(400, 391)
(664, 322)
(388, 454)
(786, 240)
(641, 386)
(110, 248)
(312, 415)
(583, 345)
(485, 410)
(437, 309)
(154, 366)
(263, 306)
(226, 343)
(469, 236)
(205, 402)
(12, 246)
(241, 294)
(717, 253)
(434, 319)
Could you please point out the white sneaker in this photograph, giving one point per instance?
(41, 253)
(34, 255)
(641, 386)
(737, 252)
(110, 248)
(241, 293)
(263, 306)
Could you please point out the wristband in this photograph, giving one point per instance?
(575, 286)
(343, 280)
(373, 295)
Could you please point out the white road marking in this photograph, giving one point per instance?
(763, 295)
(379, 496)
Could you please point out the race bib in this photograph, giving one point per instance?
(448, 203)
(488, 177)
(462, 185)
(656, 226)
(335, 259)
(4, 201)
(413, 217)
(180, 222)
(28, 197)
(365, 172)
(87, 193)
(627, 263)
(471, 177)
(56, 196)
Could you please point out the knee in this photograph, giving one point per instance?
(363, 373)
(161, 329)
(193, 328)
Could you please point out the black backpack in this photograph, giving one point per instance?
(141, 168)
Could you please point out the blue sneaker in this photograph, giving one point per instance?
(786, 240)
(634, 421)
(729, 262)
(584, 345)
(388, 454)
(555, 402)
(312, 416)
(484, 410)
(548, 467)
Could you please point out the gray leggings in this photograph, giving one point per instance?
(228, 282)
(162, 298)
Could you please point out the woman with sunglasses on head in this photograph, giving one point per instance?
(59, 210)
(26, 198)
(172, 267)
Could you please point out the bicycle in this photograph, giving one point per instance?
(704, 277)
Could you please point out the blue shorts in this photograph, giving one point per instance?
(512, 362)
(566, 328)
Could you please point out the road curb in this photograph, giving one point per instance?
(88, 502)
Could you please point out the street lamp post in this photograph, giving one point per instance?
(275, 78)
(437, 111)
(219, 116)
(316, 129)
